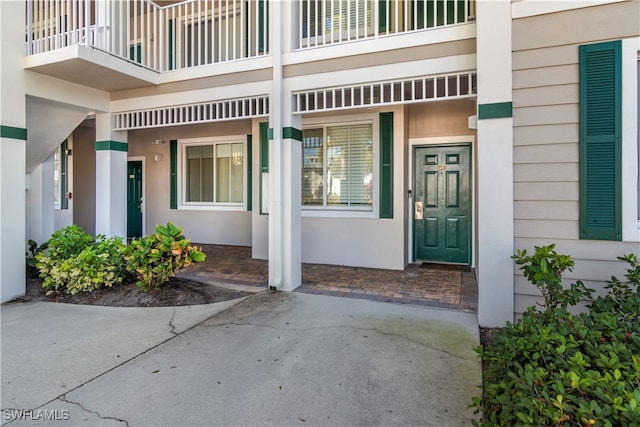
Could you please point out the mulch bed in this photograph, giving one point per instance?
(176, 292)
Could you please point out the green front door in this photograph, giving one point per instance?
(442, 204)
(134, 198)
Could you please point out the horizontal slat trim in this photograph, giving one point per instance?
(546, 172)
(547, 115)
(561, 133)
(550, 153)
(546, 191)
(546, 210)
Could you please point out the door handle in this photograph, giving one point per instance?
(418, 210)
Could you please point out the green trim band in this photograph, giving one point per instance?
(287, 133)
(13, 132)
(499, 110)
(112, 146)
(292, 133)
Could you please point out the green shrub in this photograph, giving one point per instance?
(68, 242)
(553, 368)
(34, 250)
(155, 257)
(75, 262)
(545, 269)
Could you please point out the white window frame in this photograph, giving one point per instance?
(630, 148)
(182, 169)
(57, 178)
(348, 211)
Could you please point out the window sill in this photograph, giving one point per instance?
(234, 208)
(337, 213)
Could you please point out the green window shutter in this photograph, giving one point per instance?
(386, 165)
(249, 172)
(135, 53)
(170, 46)
(64, 180)
(600, 141)
(382, 16)
(263, 21)
(173, 174)
(264, 156)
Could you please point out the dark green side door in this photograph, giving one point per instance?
(442, 204)
(134, 198)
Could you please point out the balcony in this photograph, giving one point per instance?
(324, 22)
(120, 44)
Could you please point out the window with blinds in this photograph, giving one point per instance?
(337, 166)
(214, 173)
(336, 19)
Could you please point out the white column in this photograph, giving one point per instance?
(495, 267)
(40, 202)
(284, 169)
(13, 136)
(111, 178)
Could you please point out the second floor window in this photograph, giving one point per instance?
(351, 18)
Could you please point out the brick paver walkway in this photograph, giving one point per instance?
(430, 285)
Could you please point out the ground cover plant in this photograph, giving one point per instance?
(554, 368)
(74, 261)
(155, 258)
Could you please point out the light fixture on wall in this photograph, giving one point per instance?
(157, 141)
(157, 157)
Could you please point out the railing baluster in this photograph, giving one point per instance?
(207, 59)
(134, 35)
(192, 40)
(29, 48)
(219, 26)
(445, 13)
(178, 29)
(226, 30)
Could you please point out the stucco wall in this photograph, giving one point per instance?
(84, 178)
(201, 226)
(366, 242)
(546, 147)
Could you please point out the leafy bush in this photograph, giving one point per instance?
(155, 257)
(553, 368)
(68, 242)
(545, 269)
(34, 250)
(75, 262)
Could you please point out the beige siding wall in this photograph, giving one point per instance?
(447, 118)
(546, 133)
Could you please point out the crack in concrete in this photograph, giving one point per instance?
(102, 417)
(171, 325)
(457, 356)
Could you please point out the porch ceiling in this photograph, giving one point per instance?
(92, 68)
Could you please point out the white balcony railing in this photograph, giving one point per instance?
(199, 32)
(325, 22)
(181, 35)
